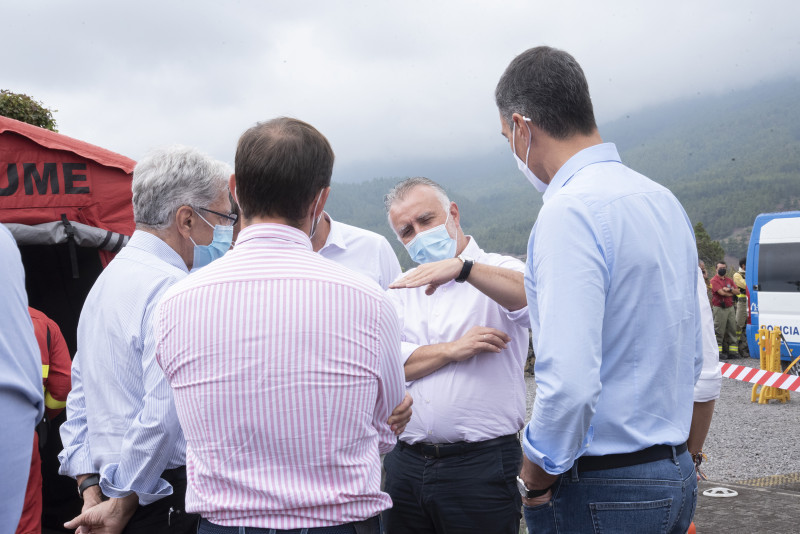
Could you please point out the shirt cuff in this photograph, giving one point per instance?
(117, 490)
(75, 460)
(519, 317)
(550, 465)
(406, 350)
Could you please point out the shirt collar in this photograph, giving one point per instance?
(335, 236)
(588, 156)
(156, 246)
(282, 232)
(472, 250)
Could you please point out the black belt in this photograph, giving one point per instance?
(441, 450)
(612, 461)
(367, 525)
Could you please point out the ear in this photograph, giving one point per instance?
(232, 187)
(454, 213)
(521, 126)
(184, 220)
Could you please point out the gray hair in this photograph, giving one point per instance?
(174, 176)
(401, 189)
(547, 86)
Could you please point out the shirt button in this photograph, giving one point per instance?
(430, 432)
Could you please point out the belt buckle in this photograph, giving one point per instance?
(435, 452)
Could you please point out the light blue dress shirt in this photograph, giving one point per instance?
(121, 418)
(21, 400)
(611, 283)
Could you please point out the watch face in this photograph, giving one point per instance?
(523, 490)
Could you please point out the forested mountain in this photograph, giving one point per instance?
(726, 157)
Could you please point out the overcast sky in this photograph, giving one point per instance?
(385, 82)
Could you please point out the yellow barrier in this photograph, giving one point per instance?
(769, 349)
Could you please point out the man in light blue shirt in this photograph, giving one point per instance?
(611, 281)
(122, 438)
(21, 397)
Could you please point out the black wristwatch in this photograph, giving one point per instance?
(88, 482)
(529, 494)
(464, 274)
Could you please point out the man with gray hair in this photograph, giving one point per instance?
(611, 280)
(122, 440)
(464, 344)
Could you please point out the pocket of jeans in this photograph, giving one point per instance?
(645, 516)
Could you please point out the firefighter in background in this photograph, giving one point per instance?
(725, 291)
(56, 365)
(741, 308)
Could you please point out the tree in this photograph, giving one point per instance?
(26, 109)
(710, 252)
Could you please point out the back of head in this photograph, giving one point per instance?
(548, 86)
(281, 165)
(174, 176)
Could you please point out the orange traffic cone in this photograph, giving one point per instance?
(691, 530)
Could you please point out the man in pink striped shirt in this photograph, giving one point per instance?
(285, 366)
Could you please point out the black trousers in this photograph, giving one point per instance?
(469, 491)
(166, 515)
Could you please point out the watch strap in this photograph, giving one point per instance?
(465, 269)
(88, 482)
(536, 493)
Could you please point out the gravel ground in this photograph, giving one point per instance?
(746, 440)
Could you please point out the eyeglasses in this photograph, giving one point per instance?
(227, 220)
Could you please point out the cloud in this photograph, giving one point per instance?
(384, 82)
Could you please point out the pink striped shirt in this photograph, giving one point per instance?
(285, 367)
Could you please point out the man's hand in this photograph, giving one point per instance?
(428, 358)
(92, 496)
(108, 517)
(401, 415)
(431, 274)
(478, 339)
(536, 478)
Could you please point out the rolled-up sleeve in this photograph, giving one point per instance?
(709, 383)
(75, 458)
(151, 440)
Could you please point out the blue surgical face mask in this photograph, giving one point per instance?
(523, 166)
(205, 254)
(432, 245)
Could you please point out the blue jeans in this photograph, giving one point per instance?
(475, 492)
(653, 497)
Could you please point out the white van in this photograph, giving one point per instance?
(773, 279)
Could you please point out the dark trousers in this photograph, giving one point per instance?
(166, 515)
(469, 492)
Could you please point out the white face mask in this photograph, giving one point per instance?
(523, 166)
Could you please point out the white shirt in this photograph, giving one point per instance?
(476, 399)
(121, 419)
(708, 386)
(363, 251)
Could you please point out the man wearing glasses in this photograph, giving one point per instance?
(122, 440)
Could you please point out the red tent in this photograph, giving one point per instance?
(46, 177)
(68, 205)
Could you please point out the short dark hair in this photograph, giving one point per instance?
(743, 261)
(548, 86)
(281, 165)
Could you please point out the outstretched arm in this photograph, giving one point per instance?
(504, 286)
